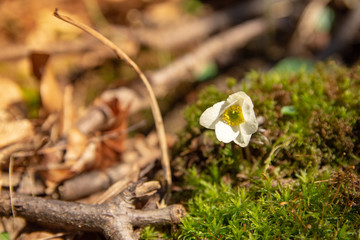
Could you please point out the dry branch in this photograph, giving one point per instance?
(225, 42)
(78, 187)
(197, 30)
(114, 219)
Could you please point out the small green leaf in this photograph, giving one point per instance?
(207, 71)
(231, 82)
(193, 6)
(288, 110)
(4, 236)
(293, 65)
(326, 20)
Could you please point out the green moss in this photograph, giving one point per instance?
(318, 110)
(32, 100)
(150, 232)
(311, 127)
(269, 210)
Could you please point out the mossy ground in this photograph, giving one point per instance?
(298, 178)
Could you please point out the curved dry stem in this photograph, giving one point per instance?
(153, 102)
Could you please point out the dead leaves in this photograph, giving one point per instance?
(68, 150)
(15, 131)
(11, 93)
(12, 128)
(97, 149)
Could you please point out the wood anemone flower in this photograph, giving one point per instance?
(233, 119)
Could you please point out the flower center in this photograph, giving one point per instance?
(233, 116)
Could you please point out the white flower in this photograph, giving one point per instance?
(233, 119)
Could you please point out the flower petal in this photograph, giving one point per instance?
(225, 133)
(239, 98)
(211, 115)
(248, 110)
(250, 125)
(242, 139)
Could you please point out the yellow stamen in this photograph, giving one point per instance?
(233, 116)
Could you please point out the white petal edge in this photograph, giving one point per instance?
(211, 115)
(225, 133)
(249, 127)
(242, 139)
(239, 98)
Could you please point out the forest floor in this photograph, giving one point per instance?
(87, 151)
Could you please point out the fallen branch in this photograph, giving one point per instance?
(114, 219)
(197, 30)
(224, 42)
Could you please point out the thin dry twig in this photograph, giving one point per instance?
(11, 189)
(153, 102)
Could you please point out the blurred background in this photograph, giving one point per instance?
(158, 33)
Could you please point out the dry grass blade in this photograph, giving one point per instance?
(153, 102)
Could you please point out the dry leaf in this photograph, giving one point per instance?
(163, 13)
(30, 185)
(38, 63)
(68, 109)
(49, 29)
(41, 235)
(76, 144)
(11, 93)
(86, 159)
(56, 175)
(15, 131)
(113, 139)
(50, 92)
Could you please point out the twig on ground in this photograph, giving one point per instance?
(199, 29)
(208, 51)
(153, 102)
(114, 219)
(21, 51)
(78, 187)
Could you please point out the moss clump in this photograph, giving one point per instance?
(310, 119)
(311, 127)
(269, 210)
(323, 111)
